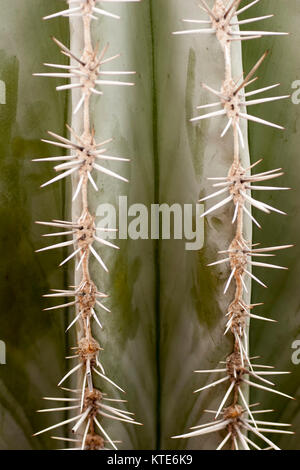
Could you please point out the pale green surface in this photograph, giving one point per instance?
(189, 327)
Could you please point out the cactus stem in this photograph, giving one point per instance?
(88, 72)
(238, 183)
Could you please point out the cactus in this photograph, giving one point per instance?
(235, 414)
(86, 156)
(161, 311)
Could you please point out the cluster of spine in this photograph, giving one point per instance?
(235, 416)
(85, 73)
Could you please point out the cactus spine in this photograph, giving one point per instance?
(235, 415)
(85, 156)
